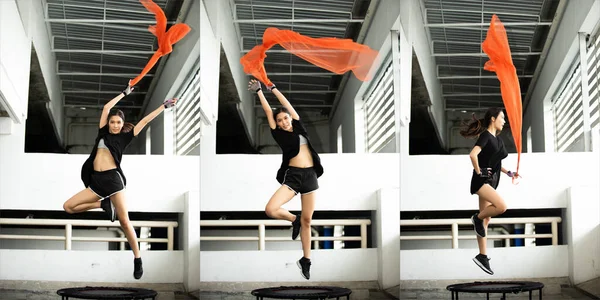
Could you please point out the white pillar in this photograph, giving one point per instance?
(583, 233)
(209, 96)
(191, 241)
(388, 237)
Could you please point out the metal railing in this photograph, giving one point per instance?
(69, 238)
(262, 224)
(454, 236)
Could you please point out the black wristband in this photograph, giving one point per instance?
(257, 90)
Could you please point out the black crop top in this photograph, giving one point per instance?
(492, 151)
(289, 142)
(116, 144)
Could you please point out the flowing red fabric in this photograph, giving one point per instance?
(166, 39)
(333, 54)
(497, 48)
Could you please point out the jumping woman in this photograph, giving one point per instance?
(102, 175)
(486, 157)
(300, 168)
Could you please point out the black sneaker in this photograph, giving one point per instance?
(304, 265)
(296, 227)
(108, 207)
(478, 223)
(138, 270)
(483, 262)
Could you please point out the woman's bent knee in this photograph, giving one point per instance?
(68, 208)
(502, 209)
(270, 211)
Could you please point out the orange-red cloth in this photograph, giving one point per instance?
(497, 48)
(333, 54)
(165, 38)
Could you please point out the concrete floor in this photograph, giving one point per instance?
(591, 287)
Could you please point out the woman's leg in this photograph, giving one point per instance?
(482, 241)
(490, 204)
(118, 200)
(308, 207)
(82, 201)
(273, 209)
(497, 207)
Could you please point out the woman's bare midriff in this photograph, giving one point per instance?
(104, 160)
(303, 159)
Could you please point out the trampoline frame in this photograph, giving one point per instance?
(293, 297)
(72, 293)
(536, 287)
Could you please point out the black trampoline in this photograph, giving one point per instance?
(99, 292)
(302, 292)
(496, 287)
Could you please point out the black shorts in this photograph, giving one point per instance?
(106, 183)
(301, 180)
(477, 182)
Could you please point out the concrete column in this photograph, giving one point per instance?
(406, 49)
(191, 241)
(388, 237)
(583, 233)
(209, 93)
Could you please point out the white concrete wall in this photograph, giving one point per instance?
(583, 233)
(15, 61)
(377, 34)
(246, 182)
(280, 266)
(32, 14)
(90, 266)
(507, 263)
(578, 16)
(46, 181)
(442, 182)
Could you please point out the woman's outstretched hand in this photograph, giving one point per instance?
(254, 85)
(169, 103)
(128, 89)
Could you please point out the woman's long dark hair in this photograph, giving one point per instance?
(477, 126)
(127, 127)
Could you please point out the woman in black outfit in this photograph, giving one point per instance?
(298, 173)
(486, 157)
(101, 173)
